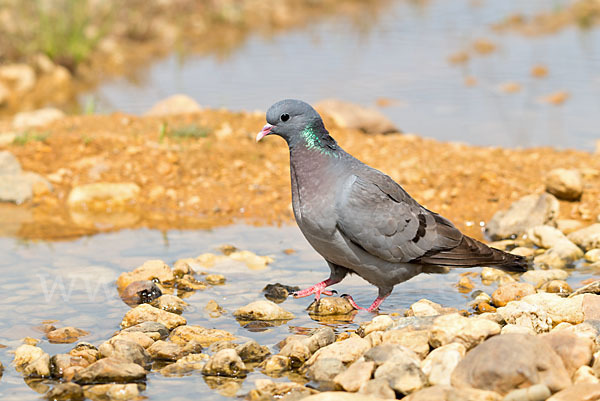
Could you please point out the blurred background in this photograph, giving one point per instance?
(502, 73)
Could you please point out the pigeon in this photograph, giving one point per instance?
(359, 219)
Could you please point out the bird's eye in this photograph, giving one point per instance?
(284, 117)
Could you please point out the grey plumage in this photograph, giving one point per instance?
(359, 219)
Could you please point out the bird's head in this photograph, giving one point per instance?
(295, 121)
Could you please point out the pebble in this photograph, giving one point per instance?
(167, 351)
(527, 212)
(85, 351)
(593, 255)
(145, 313)
(328, 306)
(379, 323)
(149, 270)
(511, 292)
(346, 351)
(252, 260)
(205, 337)
(251, 351)
(185, 365)
(340, 396)
(65, 391)
(275, 364)
(140, 292)
(112, 392)
(546, 236)
(585, 374)
(110, 370)
(353, 378)
(354, 116)
(404, 376)
(154, 330)
(537, 392)
(573, 310)
(503, 363)
(587, 238)
(324, 370)
(456, 328)
(170, 303)
(127, 351)
(490, 275)
(415, 340)
(517, 329)
(378, 388)
(278, 292)
(532, 317)
(36, 118)
(441, 362)
(538, 277)
(65, 335)
(425, 307)
(64, 365)
(574, 350)
(557, 287)
(215, 279)
(225, 363)
(559, 256)
(175, 104)
(268, 389)
(565, 184)
(579, 391)
(567, 226)
(262, 310)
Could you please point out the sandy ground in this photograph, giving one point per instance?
(226, 177)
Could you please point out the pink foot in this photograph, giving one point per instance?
(316, 289)
(374, 306)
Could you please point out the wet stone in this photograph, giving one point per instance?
(267, 389)
(214, 309)
(205, 337)
(110, 370)
(170, 303)
(112, 392)
(86, 351)
(65, 365)
(327, 306)
(251, 351)
(557, 287)
(262, 310)
(137, 337)
(511, 292)
(425, 307)
(39, 367)
(149, 270)
(65, 335)
(155, 330)
(538, 277)
(215, 279)
(225, 363)
(140, 292)
(345, 351)
(324, 370)
(379, 323)
(275, 364)
(64, 392)
(126, 351)
(490, 275)
(144, 313)
(278, 292)
(591, 288)
(167, 351)
(26, 354)
(185, 365)
(353, 378)
(593, 255)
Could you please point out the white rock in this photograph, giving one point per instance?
(559, 309)
(21, 77)
(36, 118)
(456, 328)
(521, 313)
(593, 255)
(440, 363)
(539, 277)
(176, 104)
(585, 374)
(515, 328)
(115, 194)
(565, 184)
(587, 238)
(262, 310)
(545, 236)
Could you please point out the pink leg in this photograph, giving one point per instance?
(316, 289)
(374, 306)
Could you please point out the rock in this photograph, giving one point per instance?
(184, 266)
(225, 363)
(215, 279)
(168, 351)
(36, 118)
(346, 351)
(591, 288)
(252, 260)
(20, 77)
(546, 236)
(170, 303)
(328, 306)
(378, 388)
(340, 396)
(9, 165)
(529, 211)
(415, 340)
(585, 374)
(586, 238)
(575, 351)
(26, 354)
(39, 367)
(146, 313)
(110, 370)
(593, 255)
(324, 370)
(567, 226)
(539, 277)
(559, 256)
(510, 361)
(112, 392)
(154, 330)
(353, 378)
(565, 184)
(404, 376)
(538, 392)
(267, 389)
(557, 287)
(490, 275)
(278, 292)
(391, 353)
(185, 365)
(447, 393)
(64, 365)
(520, 313)
(127, 351)
(456, 328)
(85, 351)
(176, 104)
(425, 307)
(579, 392)
(140, 292)
(523, 251)
(511, 292)
(103, 195)
(262, 310)
(440, 363)
(518, 329)
(300, 348)
(205, 337)
(573, 310)
(379, 323)
(353, 116)
(65, 391)
(251, 351)
(275, 364)
(433, 393)
(65, 335)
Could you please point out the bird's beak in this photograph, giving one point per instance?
(264, 132)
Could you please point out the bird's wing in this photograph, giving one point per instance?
(376, 214)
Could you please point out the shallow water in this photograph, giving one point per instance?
(74, 283)
(402, 54)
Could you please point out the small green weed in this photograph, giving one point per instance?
(191, 131)
(27, 136)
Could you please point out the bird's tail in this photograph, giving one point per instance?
(471, 253)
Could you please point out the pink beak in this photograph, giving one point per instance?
(264, 132)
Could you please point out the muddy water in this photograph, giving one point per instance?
(73, 283)
(402, 54)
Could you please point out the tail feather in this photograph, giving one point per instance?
(470, 253)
